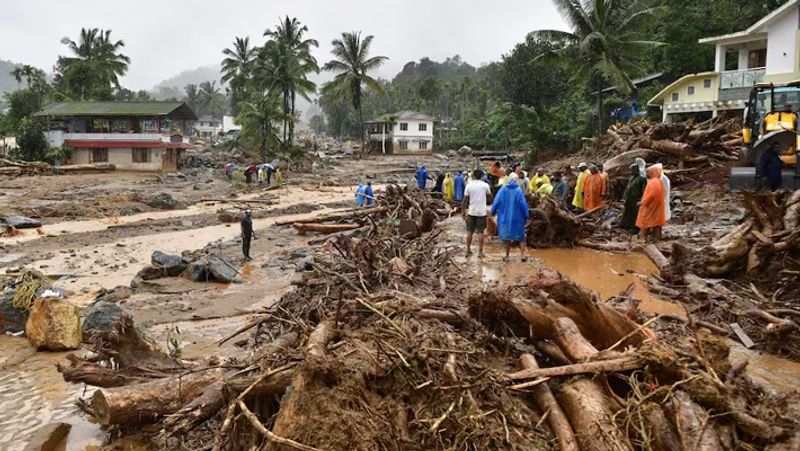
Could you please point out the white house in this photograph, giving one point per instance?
(403, 132)
(207, 126)
(767, 52)
(229, 124)
(135, 136)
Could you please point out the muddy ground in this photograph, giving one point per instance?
(100, 230)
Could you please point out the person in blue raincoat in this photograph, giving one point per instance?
(369, 197)
(459, 183)
(511, 209)
(360, 191)
(421, 176)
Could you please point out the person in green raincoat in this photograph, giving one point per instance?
(632, 197)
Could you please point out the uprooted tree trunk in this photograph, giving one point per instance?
(549, 225)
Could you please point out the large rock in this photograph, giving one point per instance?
(22, 222)
(54, 325)
(174, 265)
(163, 201)
(101, 316)
(220, 270)
(151, 272)
(12, 319)
(465, 151)
(196, 271)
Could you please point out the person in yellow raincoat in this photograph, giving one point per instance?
(449, 188)
(540, 176)
(278, 177)
(577, 200)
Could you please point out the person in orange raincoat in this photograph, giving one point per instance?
(652, 213)
(594, 189)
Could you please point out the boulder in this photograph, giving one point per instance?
(101, 316)
(12, 319)
(54, 325)
(22, 222)
(196, 271)
(465, 151)
(163, 201)
(151, 272)
(172, 264)
(220, 270)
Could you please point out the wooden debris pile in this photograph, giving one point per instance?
(18, 168)
(550, 225)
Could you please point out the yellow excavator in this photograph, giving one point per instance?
(770, 120)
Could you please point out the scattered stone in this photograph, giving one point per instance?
(195, 271)
(151, 272)
(22, 222)
(48, 437)
(220, 270)
(163, 201)
(174, 265)
(100, 317)
(54, 325)
(305, 264)
(465, 151)
(12, 319)
(117, 294)
(228, 216)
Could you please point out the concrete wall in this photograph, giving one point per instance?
(413, 129)
(121, 158)
(701, 94)
(80, 156)
(782, 48)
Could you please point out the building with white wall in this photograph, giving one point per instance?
(207, 127)
(403, 132)
(135, 136)
(767, 52)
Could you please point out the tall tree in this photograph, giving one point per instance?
(606, 44)
(352, 63)
(237, 69)
(288, 60)
(211, 100)
(192, 97)
(94, 68)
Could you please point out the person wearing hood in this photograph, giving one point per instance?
(511, 209)
(651, 216)
(642, 167)
(421, 176)
(577, 199)
(771, 167)
(278, 178)
(560, 189)
(667, 187)
(360, 195)
(594, 189)
(458, 186)
(524, 182)
(369, 196)
(631, 198)
(544, 188)
(439, 187)
(540, 176)
(449, 188)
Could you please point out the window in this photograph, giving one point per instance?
(423, 145)
(707, 83)
(149, 125)
(403, 145)
(674, 96)
(140, 155)
(99, 155)
(757, 58)
(404, 126)
(423, 127)
(690, 90)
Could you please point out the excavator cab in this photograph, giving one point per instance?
(770, 120)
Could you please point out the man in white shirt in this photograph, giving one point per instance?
(477, 195)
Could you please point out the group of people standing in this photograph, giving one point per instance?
(364, 195)
(261, 173)
(646, 200)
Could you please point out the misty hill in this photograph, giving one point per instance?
(7, 81)
(173, 87)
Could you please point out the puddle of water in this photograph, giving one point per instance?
(780, 374)
(33, 394)
(607, 273)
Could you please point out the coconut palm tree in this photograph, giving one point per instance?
(95, 66)
(237, 69)
(210, 99)
(607, 42)
(352, 62)
(287, 62)
(192, 97)
(257, 118)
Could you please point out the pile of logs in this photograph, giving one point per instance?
(550, 225)
(17, 168)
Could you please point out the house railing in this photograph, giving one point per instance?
(744, 78)
(56, 138)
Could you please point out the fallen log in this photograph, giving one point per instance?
(336, 216)
(597, 366)
(558, 421)
(692, 424)
(82, 168)
(324, 228)
(682, 150)
(587, 408)
(655, 255)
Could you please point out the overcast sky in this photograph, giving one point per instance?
(166, 37)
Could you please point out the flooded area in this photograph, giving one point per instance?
(606, 273)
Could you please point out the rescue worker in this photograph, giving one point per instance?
(561, 189)
(594, 189)
(249, 172)
(229, 171)
(540, 176)
(438, 187)
(459, 184)
(477, 195)
(511, 209)
(651, 216)
(360, 195)
(631, 198)
(544, 188)
(577, 199)
(449, 188)
(278, 178)
(642, 167)
(770, 166)
(247, 234)
(422, 176)
(665, 183)
(524, 182)
(369, 196)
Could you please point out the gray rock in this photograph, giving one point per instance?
(117, 294)
(151, 272)
(305, 263)
(22, 222)
(172, 264)
(196, 271)
(163, 201)
(12, 320)
(101, 316)
(220, 270)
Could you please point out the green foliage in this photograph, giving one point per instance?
(22, 103)
(58, 154)
(317, 123)
(31, 140)
(92, 71)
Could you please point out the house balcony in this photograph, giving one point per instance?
(57, 138)
(744, 78)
